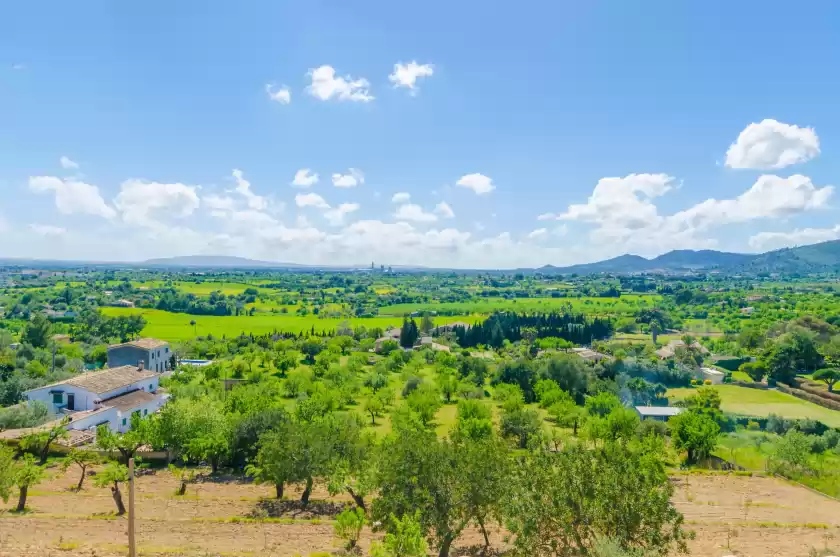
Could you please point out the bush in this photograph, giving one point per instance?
(752, 425)
(707, 382)
(831, 438)
(694, 382)
(349, 524)
(411, 385)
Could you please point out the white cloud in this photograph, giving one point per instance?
(770, 197)
(72, 196)
(561, 230)
(350, 180)
(243, 187)
(547, 216)
(151, 204)
(801, 236)
(537, 234)
(336, 216)
(218, 203)
(18, 66)
(771, 144)
(626, 219)
(311, 200)
(325, 86)
(305, 178)
(281, 95)
(479, 183)
(401, 197)
(444, 210)
(406, 75)
(622, 202)
(415, 213)
(47, 230)
(67, 163)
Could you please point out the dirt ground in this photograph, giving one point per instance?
(731, 515)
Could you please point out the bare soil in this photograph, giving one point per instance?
(731, 515)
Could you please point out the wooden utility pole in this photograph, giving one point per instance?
(132, 549)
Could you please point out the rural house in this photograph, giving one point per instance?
(153, 353)
(670, 349)
(108, 396)
(657, 413)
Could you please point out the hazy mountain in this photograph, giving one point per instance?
(820, 257)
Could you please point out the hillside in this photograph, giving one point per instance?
(822, 257)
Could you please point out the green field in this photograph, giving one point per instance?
(176, 326)
(757, 402)
(624, 305)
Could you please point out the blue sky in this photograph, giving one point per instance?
(584, 129)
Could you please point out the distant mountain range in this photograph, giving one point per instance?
(823, 257)
(820, 257)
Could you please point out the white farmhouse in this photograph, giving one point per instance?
(109, 396)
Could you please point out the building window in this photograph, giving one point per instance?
(124, 421)
(58, 398)
(151, 387)
(145, 412)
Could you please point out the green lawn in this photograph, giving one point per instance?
(757, 402)
(176, 326)
(624, 305)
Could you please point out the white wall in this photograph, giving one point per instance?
(84, 399)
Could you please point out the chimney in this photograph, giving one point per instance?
(97, 404)
(140, 365)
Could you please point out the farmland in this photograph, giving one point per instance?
(757, 402)
(176, 326)
(749, 516)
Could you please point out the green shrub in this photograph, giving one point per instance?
(349, 524)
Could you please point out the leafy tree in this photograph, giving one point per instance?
(483, 468)
(144, 431)
(26, 473)
(311, 348)
(522, 423)
(273, 463)
(518, 372)
(425, 402)
(602, 404)
(793, 449)
(756, 370)
(567, 414)
(448, 386)
(422, 473)
(183, 476)
(111, 476)
(427, 323)
(706, 401)
(37, 331)
(7, 464)
(829, 376)
(569, 372)
(84, 459)
(474, 421)
(565, 501)
(408, 333)
(375, 405)
(39, 442)
(348, 526)
(694, 432)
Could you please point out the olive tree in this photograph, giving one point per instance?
(111, 476)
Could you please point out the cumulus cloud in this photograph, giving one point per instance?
(770, 144)
(68, 164)
(311, 200)
(764, 241)
(406, 75)
(243, 187)
(626, 218)
(770, 197)
(401, 197)
(305, 178)
(326, 85)
(538, 234)
(547, 216)
(281, 95)
(149, 204)
(336, 216)
(72, 196)
(444, 210)
(479, 183)
(414, 213)
(350, 180)
(47, 230)
(214, 202)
